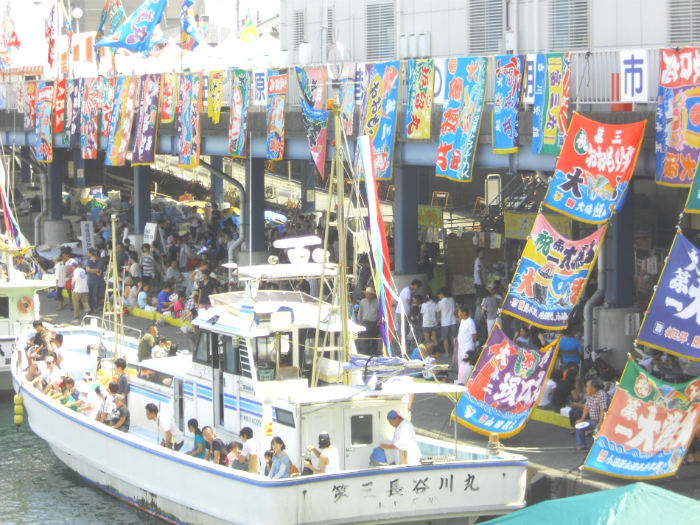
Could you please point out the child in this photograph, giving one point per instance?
(466, 366)
(60, 274)
(67, 399)
(179, 305)
(269, 454)
(160, 349)
(430, 323)
(234, 450)
(523, 338)
(432, 360)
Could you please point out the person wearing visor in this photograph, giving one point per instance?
(404, 439)
(327, 454)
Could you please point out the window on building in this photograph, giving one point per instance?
(330, 19)
(380, 31)
(486, 20)
(569, 25)
(683, 22)
(361, 430)
(299, 27)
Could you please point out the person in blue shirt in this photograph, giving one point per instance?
(199, 450)
(281, 464)
(570, 350)
(164, 302)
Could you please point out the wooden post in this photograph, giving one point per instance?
(403, 457)
(253, 463)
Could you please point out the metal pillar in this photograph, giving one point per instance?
(26, 168)
(142, 197)
(217, 183)
(79, 167)
(406, 219)
(308, 187)
(424, 187)
(255, 200)
(620, 288)
(56, 186)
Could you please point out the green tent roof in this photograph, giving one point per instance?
(634, 504)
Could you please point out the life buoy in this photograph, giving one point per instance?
(25, 305)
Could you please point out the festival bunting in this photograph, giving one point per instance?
(59, 105)
(136, 32)
(551, 276)
(276, 101)
(168, 101)
(379, 247)
(465, 82)
(678, 117)
(379, 112)
(188, 125)
(71, 123)
(672, 322)
(505, 119)
(249, 33)
(648, 427)
(50, 34)
(124, 135)
(115, 123)
(8, 39)
(89, 128)
(312, 90)
(550, 113)
(419, 104)
(112, 16)
(30, 106)
(144, 150)
(108, 88)
(594, 169)
(347, 98)
(505, 385)
(216, 86)
(44, 122)
(238, 120)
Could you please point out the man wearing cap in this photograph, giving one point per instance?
(404, 439)
(368, 316)
(490, 307)
(122, 420)
(88, 402)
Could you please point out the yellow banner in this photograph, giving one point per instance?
(519, 225)
(430, 216)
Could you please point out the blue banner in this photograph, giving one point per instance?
(189, 25)
(136, 32)
(672, 322)
(538, 107)
(465, 84)
(505, 121)
(276, 101)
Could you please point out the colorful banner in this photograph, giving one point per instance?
(379, 110)
(8, 39)
(347, 102)
(30, 106)
(549, 124)
(192, 37)
(505, 385)
(89, 127)
(551, 276)
(505, 119)
(115, 123)
(430, 216)
(238, 119)
(672, 321)
(44, 122)
(519, 225)
(59, 105)
(249, 33)
(692, 204)
(136, 32)
(216, 86)
(50, 34)
(188, 124)
(276, 101)
(71, 123)
(461, 117)
(594, 169)
(648, 427)
(124, 136)
(108, 88)
(168, 101)
(112, 16)
(144, 149)
(419, 104)
(312, 90)
(678, 117)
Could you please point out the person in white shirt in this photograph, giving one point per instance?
(88, 402)
(403, 306)
(546, 399)
(429, 311)
(327, 454)
(466, 341)
(250, 446)
(80, 290)
(174, 276)
(59, 271)
(479, 272)
(404, 439)
(171, 435)
(448, 323)
(48, 378)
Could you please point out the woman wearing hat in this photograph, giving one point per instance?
(368, 316)
(328, 461)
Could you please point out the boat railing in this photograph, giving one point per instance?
(109, 325)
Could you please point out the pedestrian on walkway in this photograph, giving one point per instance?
(490, 307)
(94, 278)
(80, 290)
(448, 323)
(59, 271)
(147, 264)
(403, 306)
(596, 405)
(368, 316)
(479, 272)
(429, 311)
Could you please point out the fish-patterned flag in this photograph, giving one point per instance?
(346, 96)
(112, 16)
(168, 101)
(276, 102)
(115, 123)
(191, 36)
(312, 90)
(9, 43)
(465, 85)
(678, 117)
(216, 86)
(419, 104)
(71, 123)
(238, 119)
(672, 321)
(550, 112)
(551, 276)
(30, 106)
(505, 385)
(380, 106)
(505, 119)
(188, 121)
(594, 169)
(648, 427)
(108, 88)
(144, 150)
(44, 123)
(59, 105)
(136, 33)
(124, 136)
(89, 125)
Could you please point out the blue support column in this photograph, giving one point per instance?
(56, 186)
(406, 219)
(217, 183)
(424, 195)
(79, 167)
(255, 201)
(26, 169)
(142, 198)
(620, 276)
(308, 186)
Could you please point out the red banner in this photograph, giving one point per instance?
(59, 106)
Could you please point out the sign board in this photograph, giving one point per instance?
(87, 231)
(149, 233)
(260, 87)
(430, 216)
(634, 85)
(360, 81)
(529, 92)
(631, 324)
(519, 225)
